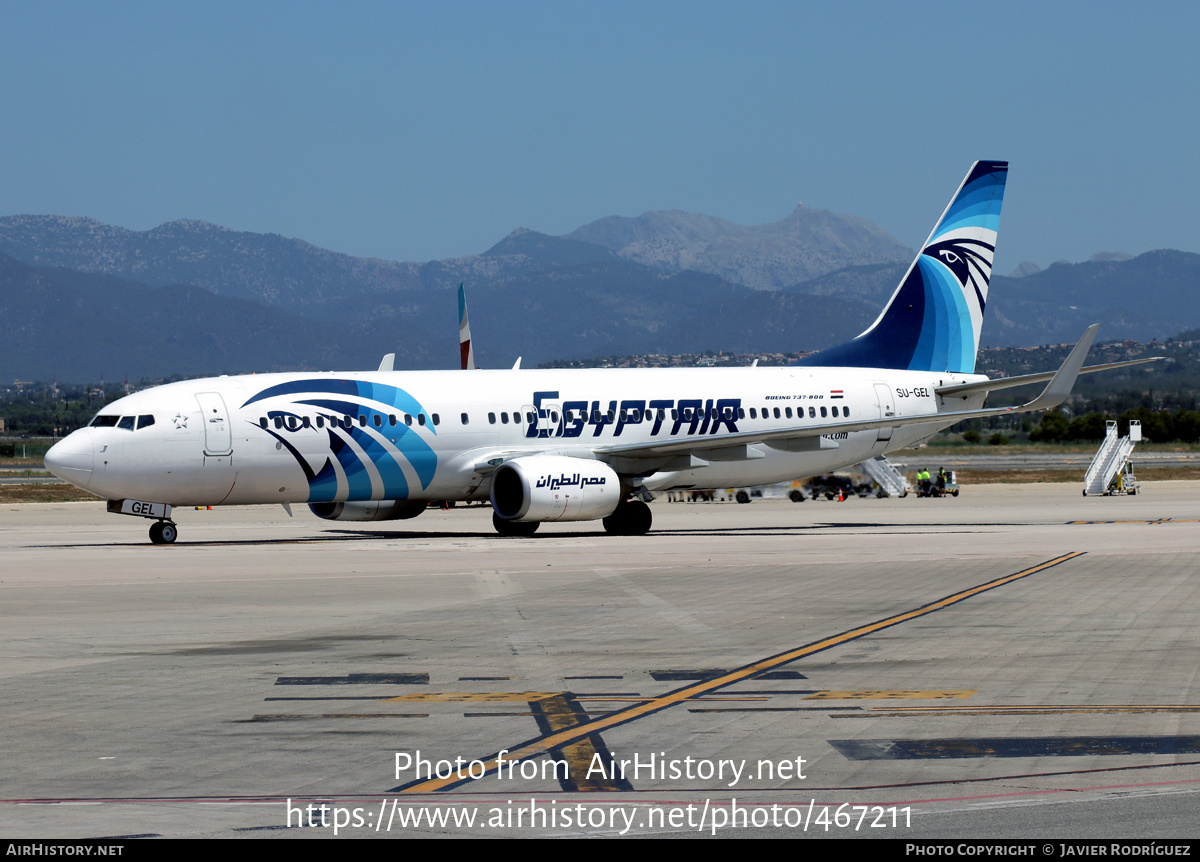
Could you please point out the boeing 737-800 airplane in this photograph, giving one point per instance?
(566, 445)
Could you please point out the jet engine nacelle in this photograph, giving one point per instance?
(369, 510)
(554, 488)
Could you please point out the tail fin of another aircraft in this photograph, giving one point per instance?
(934, 318)
(466, 351)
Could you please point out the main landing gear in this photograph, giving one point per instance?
(506, 527)
(630, 518)
(163, 532)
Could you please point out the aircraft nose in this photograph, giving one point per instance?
(70, 459)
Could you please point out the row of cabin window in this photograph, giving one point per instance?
(690, 413)
(812, 412)
(129, 423)
(345, 421)
(633, 415)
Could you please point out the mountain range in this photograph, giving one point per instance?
(79, 298)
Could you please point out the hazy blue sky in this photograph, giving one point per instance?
(415, 131)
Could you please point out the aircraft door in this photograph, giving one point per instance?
(887, 409)
(218, 436)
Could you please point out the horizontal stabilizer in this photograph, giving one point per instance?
(1027, 379)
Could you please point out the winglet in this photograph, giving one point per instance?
(1063, 381)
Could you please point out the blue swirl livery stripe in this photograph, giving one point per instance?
(323, 486)
(381, 393)
(395, 486)
(946, 341)
(977, 205)
(410, 444)
(358, 481)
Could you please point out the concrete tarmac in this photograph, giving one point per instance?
(1019, 662)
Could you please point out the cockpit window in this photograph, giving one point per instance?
(145, 421)
(127, 422)
(104, 421)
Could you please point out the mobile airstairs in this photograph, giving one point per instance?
(1111, 472)
(891, 482)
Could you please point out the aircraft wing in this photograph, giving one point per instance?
(1026, 379)
(730, 447)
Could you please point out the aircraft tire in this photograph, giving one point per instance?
(163, 533)
(796, 496)
(631, 518)
(742, 497)
(506, 527)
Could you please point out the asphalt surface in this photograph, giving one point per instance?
(1019, 662)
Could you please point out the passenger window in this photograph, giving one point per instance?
(392, 419)
(492, 418)
(306, 422)
(263, 422)
(787, 411)
(362, 420)
(437, 420)
(776, 412)
(812, 412)
(408, 419)
(741, 413)
(320, 421)
(421, 419)
(503, 418)
(378, 417)
(753, 413)
(278, 422)
(822, 412)
(466, 420)
(529, 417)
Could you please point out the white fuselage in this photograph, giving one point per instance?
(437, 435)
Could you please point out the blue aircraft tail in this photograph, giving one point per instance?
(934, 318)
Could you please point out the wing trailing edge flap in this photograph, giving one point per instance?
(803, 438)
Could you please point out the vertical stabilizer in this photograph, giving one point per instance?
(466, 352)
(933, 320)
